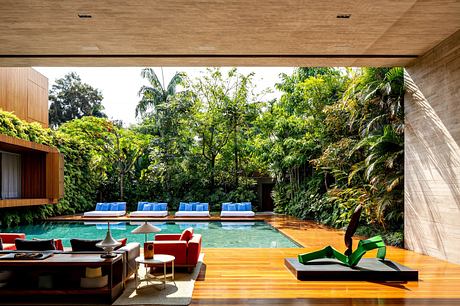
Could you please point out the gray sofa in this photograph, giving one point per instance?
(130, 252)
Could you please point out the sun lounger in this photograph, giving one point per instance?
(150, 209)
(237, 210)
(115, 209)
(194, 209)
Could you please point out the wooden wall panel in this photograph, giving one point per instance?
(33, 175)
(42, 176)
(25, 202)
(24, 91)
(13, 91)
(36, 98)
(432, 152)
(54, 176)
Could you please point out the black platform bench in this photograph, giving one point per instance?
(368, 269)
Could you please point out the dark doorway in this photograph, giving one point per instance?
(267, 200)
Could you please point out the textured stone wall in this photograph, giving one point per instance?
(432, 152)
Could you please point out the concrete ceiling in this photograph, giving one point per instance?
(222, 32)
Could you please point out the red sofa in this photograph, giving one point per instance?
(186, 252)
(9, 238)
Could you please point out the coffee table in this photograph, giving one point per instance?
(157, 259)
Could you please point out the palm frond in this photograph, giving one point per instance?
(175, 81)
(151, 76)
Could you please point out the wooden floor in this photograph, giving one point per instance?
(258, 276)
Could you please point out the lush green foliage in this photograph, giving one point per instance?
(80, 181)
(332, 141)
(335, 140)
(70, 99)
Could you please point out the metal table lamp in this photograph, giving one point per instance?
(145, 229)
(108, 244)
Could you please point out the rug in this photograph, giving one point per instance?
(149, 293)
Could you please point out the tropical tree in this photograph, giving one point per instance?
(226, 104)
(381, 128)
(156, 97)
(115, 150)
(165, 112)
(72, 99)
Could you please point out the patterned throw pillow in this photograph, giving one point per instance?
(241, 207)
(140, 206)
(199, 207)
(147, 207)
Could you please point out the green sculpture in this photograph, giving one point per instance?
(349, 258)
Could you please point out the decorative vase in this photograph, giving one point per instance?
(148, 250)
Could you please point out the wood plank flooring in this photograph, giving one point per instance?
(258, 276)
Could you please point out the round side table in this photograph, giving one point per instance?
(157, 259)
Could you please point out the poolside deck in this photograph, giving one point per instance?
(258, 276)
(170, 217)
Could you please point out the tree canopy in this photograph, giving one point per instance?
(72, 99)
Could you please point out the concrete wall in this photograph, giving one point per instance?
(432, 152)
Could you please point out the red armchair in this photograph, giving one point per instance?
(186, 252)
(9, 238)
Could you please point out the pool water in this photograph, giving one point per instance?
(257, 234)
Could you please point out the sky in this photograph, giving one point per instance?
(120, 86)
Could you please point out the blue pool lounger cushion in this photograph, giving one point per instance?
(150, 209)
(243, 209)
(115, 209)
(193, 209)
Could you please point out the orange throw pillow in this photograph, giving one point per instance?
(187, 234)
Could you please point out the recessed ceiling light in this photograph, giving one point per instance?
(84, 16)
(343, 16)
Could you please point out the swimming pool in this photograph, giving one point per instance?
(257, 234)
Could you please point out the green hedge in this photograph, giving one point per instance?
(79, 181)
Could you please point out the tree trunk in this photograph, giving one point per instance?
(122, 185)
(235, 145)
(213, 162)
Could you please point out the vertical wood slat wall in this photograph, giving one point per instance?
(54, 175)
(24, 91)
(33, 175)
